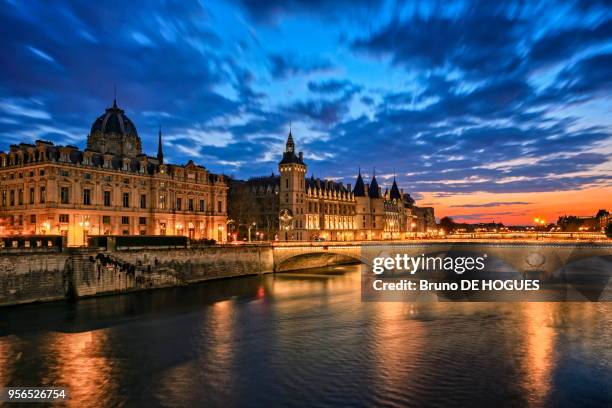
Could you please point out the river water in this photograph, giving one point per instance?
(306, 339)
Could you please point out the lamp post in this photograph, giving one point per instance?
(539, 222)
(251, 227)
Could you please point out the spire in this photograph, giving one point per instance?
(290, 146)
(115, 97)
(374, 190)
(289, 155)
(395, 192)
(160, 152)
(359, 190)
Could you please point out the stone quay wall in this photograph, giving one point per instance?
(31, 276)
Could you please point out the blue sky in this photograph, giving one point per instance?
(459, 99)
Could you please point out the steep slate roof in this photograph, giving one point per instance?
(359, 190)
(395, 192)
(374, 191)
(264, 181)
(325, 185)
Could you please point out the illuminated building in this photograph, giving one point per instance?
(292, 206)
(110, 188)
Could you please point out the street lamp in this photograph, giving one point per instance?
(251, 227)
(539, 222)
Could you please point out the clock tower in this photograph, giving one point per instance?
(292, 217)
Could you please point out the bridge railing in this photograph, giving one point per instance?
(464, 237)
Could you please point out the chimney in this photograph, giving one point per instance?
(301, 156)
(402, 191)
(348, 187)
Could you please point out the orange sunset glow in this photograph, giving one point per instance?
(487, 207)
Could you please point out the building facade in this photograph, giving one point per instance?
(308, 208)
(596, 223)
(110, 188)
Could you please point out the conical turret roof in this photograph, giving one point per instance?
(395, 192)
(359, 190)
(374, 191)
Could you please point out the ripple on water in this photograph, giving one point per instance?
(310, 341)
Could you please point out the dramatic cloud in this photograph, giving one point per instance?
(282, 66)
(272, 10)
(494, 204)
(456, 98)
(333, 86)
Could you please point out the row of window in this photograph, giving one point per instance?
(337, 209)
(11, 176)
(65, 219)
(13, 197)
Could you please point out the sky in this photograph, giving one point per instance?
(488, 111)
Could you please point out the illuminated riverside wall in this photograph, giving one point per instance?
(42, 274)
(27, 277)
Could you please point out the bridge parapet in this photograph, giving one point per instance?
(523, 257)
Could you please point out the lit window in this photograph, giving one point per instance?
(87, 196)
(64, 195)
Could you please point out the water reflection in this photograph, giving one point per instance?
(539, 338)
(397, 350)
(80, 364)
(306, 339)
(6, 360)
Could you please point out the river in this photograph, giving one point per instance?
(306, 339)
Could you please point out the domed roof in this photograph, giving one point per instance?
(114, 120)
(114, 133)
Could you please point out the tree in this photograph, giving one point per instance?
(609, 230)
(243, 208)
(447, 224)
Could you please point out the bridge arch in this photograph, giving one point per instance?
(317, 259)
(525, 258)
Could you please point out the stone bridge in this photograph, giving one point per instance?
(523, 257)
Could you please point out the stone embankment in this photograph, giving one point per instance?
(44, 274)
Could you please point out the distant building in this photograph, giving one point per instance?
(292, 206)
(111, 187)
(573, 223)
(425, 219)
